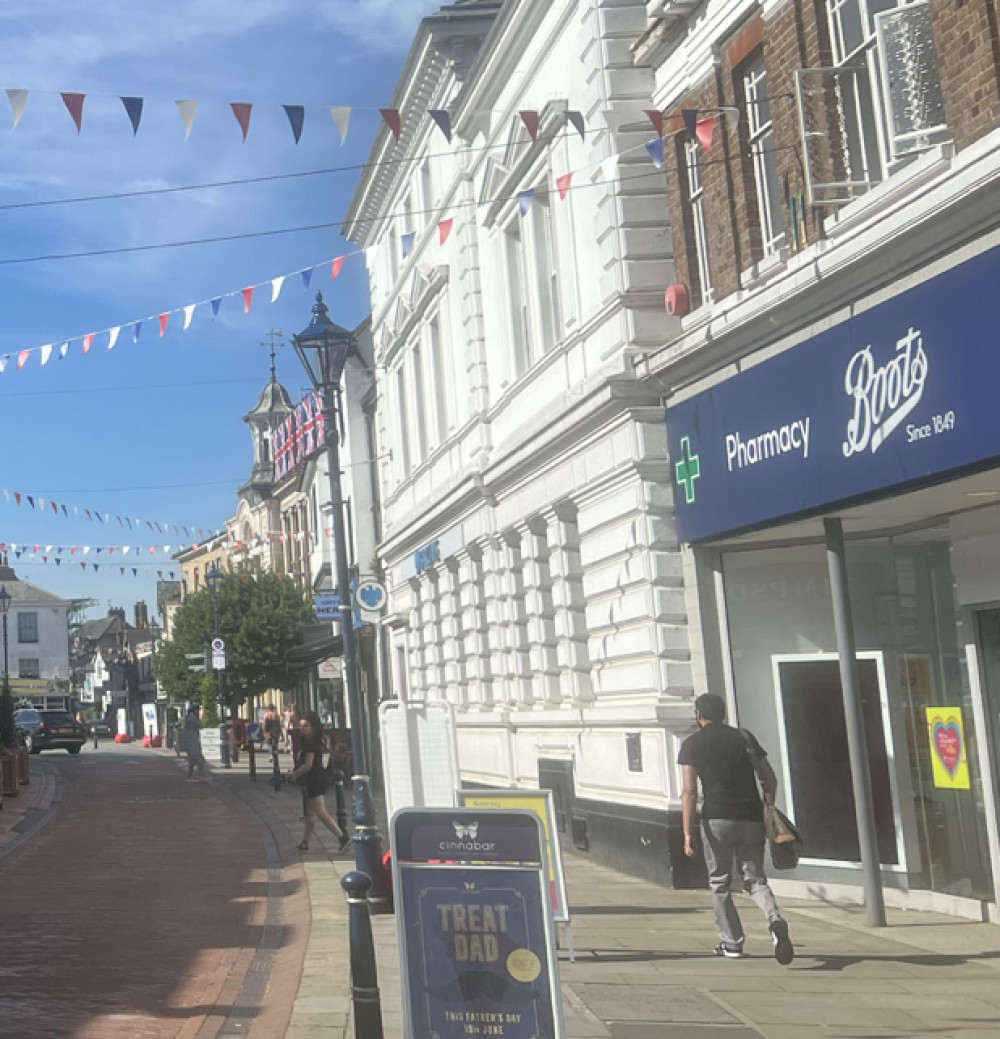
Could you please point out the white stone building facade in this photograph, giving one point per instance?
(534, 573)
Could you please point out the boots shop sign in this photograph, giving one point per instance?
(900, 395)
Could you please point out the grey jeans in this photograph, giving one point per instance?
(732, 844)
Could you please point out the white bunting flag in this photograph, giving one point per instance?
(113, 336)
(86, 550)
(609, 167)
(276, 284)
(46, 353)
(187, 110)
(188, 314)
(63, 350)
(342, 117)
(41, 503)
(18, 99)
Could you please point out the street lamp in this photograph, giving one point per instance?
(5, 598)
(322, 348)
(214, 578)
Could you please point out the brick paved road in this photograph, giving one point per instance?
(141, 910)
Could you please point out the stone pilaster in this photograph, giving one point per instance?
(472, 595)
(454, 678)
(415, 643)
(516, 646)
(430, 594)
(539, 611)
(494, 590)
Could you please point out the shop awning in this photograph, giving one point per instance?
(309, 654)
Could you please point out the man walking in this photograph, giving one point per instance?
(728, 762)
(272, 730)
(192, 742)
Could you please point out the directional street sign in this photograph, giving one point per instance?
(197, 661)
(327, 607)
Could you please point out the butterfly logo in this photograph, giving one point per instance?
(469, 831)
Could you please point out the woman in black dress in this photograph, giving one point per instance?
(309, 772)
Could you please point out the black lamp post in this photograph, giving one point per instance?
(214, 578)
(5, 598)
(322, 348)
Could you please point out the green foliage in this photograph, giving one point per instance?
(261, 618)
(8, 736)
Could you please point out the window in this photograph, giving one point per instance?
(695, 199)
(404, 442)
(879, 103)
(435, 380)
(27, 627)
(532, 284)
(427, 191)
(757, 104)
(419, 401)
(27, 667)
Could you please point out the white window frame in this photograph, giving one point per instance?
(435, 372)
(402, 425)
(771, 217)
(696, 202)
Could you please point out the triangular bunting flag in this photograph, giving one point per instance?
(88, 342)
(276, 284)
(442, 117)
(113, 336)
(307, 275)
(22, 359)
(133, 108)
(609, 166)
(30, 500)
(188, 110)
(563, 184)
(531, 121)
(136, 329)
(164, 318)
(3, 363)
(524, 200)
(392, 120)
(655, 149)
(247, 299)
(342, 119)
(63, 350)
(216, 303)
(296, 117)
(135, 572)
(575, 119)
(335, 268)
(74, 105)
(122, 569)
(656, 118)
(45, 353)
(704, 130)
(242, 110)
(18, 100)
(690, 117)
(444, 229)
(406, 243)
(188, 315)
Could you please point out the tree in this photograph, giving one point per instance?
(261, 618)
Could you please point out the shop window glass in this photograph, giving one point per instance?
(909, 641)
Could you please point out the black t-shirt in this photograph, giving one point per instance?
(724, 760)
(315, 779)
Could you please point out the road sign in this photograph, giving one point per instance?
(197, 661)
(370, 595)
(218, 655)
(327, 607)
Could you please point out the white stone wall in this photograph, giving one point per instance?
(554, 619)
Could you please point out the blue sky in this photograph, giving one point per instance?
(153, 429)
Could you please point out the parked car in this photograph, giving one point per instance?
(100, 728)
(46, 730)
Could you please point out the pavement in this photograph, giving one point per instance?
(643, 969)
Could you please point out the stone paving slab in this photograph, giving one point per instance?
(645, 969)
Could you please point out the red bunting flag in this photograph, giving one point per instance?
(74, 104)
(72, 550)
(656, 118)
(444, 229)
(242, 110)
(22, 359)
(247, 299)
(336, 267)
(83, 566)
(88, 341)
(531, 120)
(392, 120)
(159, 573)
(563, 184)
(17, 497)
(704, 131)
(122, 569)
(55, 508)
(164, 318)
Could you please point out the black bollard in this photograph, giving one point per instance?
(364, 975)
(340, 800)
(252, 761)
(275, 772)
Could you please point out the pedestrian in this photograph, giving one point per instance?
(728, 762)
(286, 721)
(272, 730)
(293, 723)
(192, 741)
(310, 773)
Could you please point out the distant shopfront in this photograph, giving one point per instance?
(889, 421)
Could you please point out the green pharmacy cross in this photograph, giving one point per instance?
(688, 470)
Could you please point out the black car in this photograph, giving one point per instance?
(100, 728)
(45, 730)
